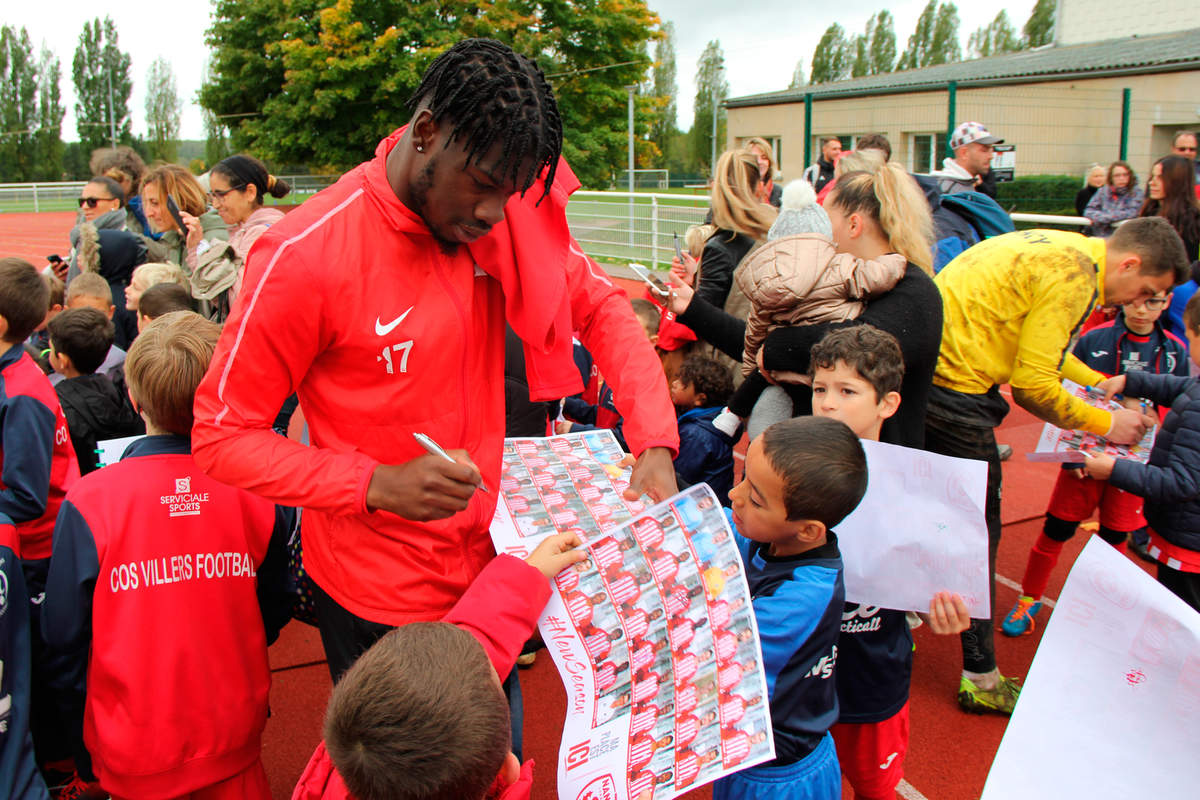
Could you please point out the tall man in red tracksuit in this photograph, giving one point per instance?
(382, 302)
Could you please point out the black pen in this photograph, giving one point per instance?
(433, 448)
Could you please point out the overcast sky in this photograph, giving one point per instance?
(761, 42)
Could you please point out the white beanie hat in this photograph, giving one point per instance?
(799, 213)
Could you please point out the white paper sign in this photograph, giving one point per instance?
(1111, 707)
(918, 531)
(110, 451)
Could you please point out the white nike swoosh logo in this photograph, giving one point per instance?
(384, 330)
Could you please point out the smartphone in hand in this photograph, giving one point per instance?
(173, 208)
(656, 285)
(678, 249)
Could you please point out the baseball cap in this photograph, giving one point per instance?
(969, 132)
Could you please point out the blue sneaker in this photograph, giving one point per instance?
(1019, 621)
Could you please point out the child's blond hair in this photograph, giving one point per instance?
(696, 237)
(58, 290)
(154, 272)
(165, 365)
(89, 284)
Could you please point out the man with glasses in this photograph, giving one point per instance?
(1133, 341)
(1184, 144)
(972, 145)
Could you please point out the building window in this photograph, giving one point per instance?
(926, 151)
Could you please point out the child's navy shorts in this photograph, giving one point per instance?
(816, 777)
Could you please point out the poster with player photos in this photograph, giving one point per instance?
(655, 640)
(1059, 445)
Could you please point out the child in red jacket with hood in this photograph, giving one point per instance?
(438, 683)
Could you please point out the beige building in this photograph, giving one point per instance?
(1064, 106)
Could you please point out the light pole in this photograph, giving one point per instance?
(716, 85)
(630, 89)
(112, 123)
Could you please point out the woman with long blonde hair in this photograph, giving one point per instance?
(742, 220)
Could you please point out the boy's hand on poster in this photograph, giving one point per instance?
(426, 488)
(1099, 466)
(562, 426)
(556, 553)
(1111, 386)
(653, 475)
(947, 614)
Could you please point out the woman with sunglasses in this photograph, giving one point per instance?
(101, 206)
(237, 187)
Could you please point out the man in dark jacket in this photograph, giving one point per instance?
(700, 390)
(94, 407)
(821, 172)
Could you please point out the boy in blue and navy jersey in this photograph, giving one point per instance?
(37, 467)
(803, 476)
(19, 777)
(1134, 341)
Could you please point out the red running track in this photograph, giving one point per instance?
(950, 752)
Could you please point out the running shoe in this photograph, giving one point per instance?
(1001, 700)
(1019, 621)
(79, 789)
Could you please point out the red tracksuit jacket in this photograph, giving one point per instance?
(500, 609)
(163, 574)
(349, 302)
(38, 461)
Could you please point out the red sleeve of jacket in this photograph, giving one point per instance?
(265, 350)
(501, 608)
(627, 361)
(320, 779)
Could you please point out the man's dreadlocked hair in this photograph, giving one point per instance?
(492, 94)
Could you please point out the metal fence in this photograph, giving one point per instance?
(612, 227)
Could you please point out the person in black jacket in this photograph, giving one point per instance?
(94, 407)
(1170, 481)
(741, 218)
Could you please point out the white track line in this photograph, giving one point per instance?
(909, 792)
(1047, 602)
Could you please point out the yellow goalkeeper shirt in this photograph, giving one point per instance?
(1013, 305)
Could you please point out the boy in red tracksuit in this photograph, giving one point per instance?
(37, 467)
(438, 683)
(169, 586)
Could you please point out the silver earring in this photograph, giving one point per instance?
(420, 149)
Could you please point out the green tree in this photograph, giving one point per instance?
(663, 92)
(1039, 29)
(711, 91)
(797, 75)
(48, 139)
(102, 85)
(18, 105)
(162, 110)
(993, 39)
(216, 139)
(832, 59)
(862, 55)
(935, 39)
(883, 43)
(319, 82)
(945, 47)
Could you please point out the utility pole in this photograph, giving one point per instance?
(630, 89)
(716, 85)
(112, 123)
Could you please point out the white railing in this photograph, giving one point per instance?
(611, 226)
(40, 196)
